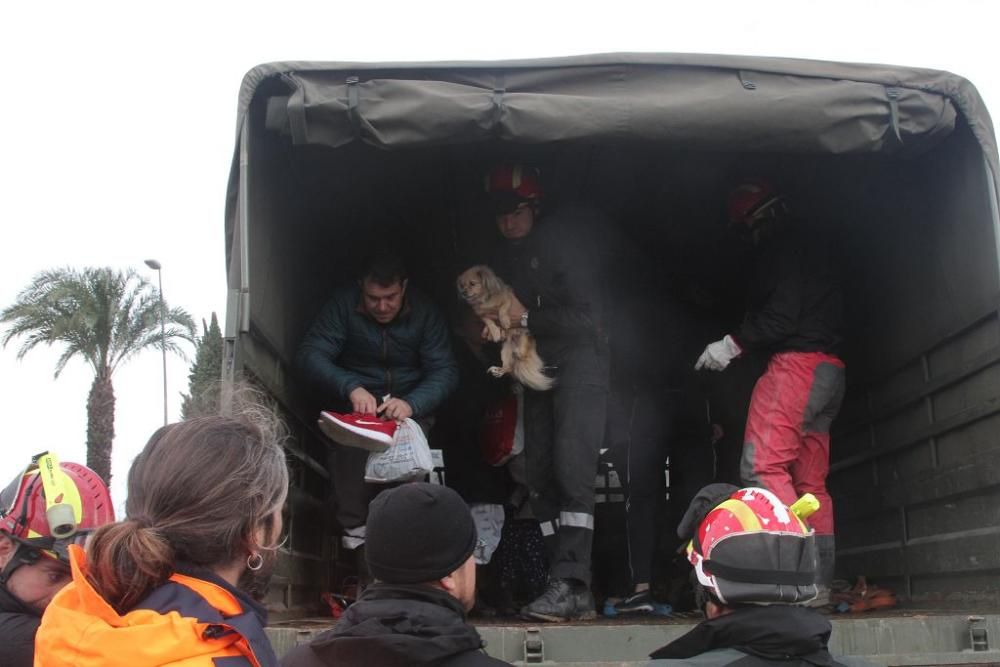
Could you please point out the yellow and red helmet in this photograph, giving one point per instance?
(751, 548)
(50, 506)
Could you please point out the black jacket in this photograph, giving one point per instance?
(409, 358)
(794, 302)
(397, 625)
(557, 274)
(753, 637)
(18, 624)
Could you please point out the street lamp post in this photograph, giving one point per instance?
(156, 266)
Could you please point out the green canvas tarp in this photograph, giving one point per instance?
(744, 104)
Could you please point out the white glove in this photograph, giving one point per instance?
(717, 355)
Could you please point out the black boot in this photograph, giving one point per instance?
(562, 600)
(827, 552)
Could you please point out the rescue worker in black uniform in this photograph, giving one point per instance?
(556, 277)
(795, 318)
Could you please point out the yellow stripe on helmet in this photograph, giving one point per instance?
(743, 514)
(63, 505)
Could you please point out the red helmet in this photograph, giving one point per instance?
(752, 548)
(513, 183)
(50, 506)
(751, 200)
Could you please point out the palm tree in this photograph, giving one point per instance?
(106, 317)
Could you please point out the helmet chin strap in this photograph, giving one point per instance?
(23, 555)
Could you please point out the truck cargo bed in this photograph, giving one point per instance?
(893, 637)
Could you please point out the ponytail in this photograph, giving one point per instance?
(197, 494)
(127, 560)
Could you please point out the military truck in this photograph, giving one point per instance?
(897, 165)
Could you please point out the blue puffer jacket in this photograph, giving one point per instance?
(409, 358)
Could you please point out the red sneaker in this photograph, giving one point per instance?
(357, 430)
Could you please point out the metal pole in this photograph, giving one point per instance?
(156, 266)
(163, 344)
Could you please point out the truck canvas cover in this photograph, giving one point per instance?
(702, 101)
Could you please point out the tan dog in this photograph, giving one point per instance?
(487, 294)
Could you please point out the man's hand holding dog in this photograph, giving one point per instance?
(517, 309)
(515, 312)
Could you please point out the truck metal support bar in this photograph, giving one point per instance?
(243, 214)
(981, 411)
(969, 368)
(296, 451)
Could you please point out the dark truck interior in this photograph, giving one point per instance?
(915, 459)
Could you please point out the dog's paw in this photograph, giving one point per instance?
(494, 333)
(496, 371)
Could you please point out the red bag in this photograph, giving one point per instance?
(502, 433)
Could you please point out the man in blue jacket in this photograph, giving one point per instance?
(379, 337)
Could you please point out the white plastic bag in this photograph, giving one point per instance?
(407, 459)
(489, 521)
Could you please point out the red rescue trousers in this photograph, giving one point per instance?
(786, 447)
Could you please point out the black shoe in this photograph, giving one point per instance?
(563, 600)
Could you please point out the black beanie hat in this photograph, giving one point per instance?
(418, 532)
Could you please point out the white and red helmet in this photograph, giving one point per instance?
(751, 548)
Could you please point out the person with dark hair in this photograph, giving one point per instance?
(754, 564)
(34, 543)
(795, 319)
(556, 275)
(420, 543)
(180, 579)
(378, 353)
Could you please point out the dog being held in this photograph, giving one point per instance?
(486, 294)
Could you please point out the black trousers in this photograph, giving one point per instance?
(351, 492)
(645, 427)
(640, 425)
(564, 430)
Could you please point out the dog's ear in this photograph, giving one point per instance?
(491, 283)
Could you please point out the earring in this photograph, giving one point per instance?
(255, 561)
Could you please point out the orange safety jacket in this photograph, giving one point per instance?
(186, 622)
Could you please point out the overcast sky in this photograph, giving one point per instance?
(118, 123)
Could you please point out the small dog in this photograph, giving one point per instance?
(486, 293)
